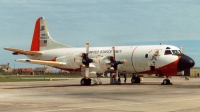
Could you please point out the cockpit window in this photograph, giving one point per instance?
(168, 52)
(176, 52)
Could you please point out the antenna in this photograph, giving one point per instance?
(182, 49)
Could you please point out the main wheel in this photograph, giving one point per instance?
(88, 81)
(119, 80)
(82, 81)
(133, 79)
(85, 81)
(137, 79)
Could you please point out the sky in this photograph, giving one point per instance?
(101, 23)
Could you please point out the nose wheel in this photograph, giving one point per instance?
(166, 82)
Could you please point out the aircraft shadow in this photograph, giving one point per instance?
(78, 85)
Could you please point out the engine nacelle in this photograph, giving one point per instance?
(101, 64)
(104, 64)
(72, 61)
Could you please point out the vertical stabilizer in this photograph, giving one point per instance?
(42, 39)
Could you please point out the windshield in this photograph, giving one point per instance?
(168, 52)
(176, 51)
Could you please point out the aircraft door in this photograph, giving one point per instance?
(140, 59)
(145, 58)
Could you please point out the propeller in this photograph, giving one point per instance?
(115, 64)
(86, 60)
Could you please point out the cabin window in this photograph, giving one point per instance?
(168, 52)
(146, 55)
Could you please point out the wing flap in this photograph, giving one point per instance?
(40, 62)
(25, 52)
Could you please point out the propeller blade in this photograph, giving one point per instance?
(87, 47)
(116, 75)
(87, 61)
(122, 61)
(113, 48)
(87, 72)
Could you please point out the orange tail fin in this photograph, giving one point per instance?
(41, 38)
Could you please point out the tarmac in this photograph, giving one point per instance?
(69, 95)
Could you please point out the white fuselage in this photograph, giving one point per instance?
(139, 59)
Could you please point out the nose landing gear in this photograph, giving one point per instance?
(166, 81)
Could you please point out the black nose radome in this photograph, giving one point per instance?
(185, 62)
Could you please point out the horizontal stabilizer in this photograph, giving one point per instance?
(25, 52)
(40, 62)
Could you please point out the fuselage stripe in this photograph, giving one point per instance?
(132, 59)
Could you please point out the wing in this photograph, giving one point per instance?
(25, 52)
(41, 62)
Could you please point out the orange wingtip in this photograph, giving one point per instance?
(53, 59)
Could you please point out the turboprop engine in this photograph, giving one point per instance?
(106, 63)
(72, 61)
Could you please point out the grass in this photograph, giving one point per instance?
(20, 79)
(11, 77)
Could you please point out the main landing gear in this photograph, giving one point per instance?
(135, 79)
(166, 82)
(85, 81)
(114, 81)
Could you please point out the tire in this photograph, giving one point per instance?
(137, 79)
(166, 82)
(133, 80)
(89, 81)
(119, 80)
(83, 82)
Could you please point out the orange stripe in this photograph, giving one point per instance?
(167, 70)
(35, 40)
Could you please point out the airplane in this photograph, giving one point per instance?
(166, 60)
